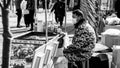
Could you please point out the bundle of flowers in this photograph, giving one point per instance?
(22, 52)
(52, 27)
(18, 66)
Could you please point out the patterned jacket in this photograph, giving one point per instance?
(82, 44)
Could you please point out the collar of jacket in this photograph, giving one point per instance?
(79, 23)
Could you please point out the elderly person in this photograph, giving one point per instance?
(83, 41)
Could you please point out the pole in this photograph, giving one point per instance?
(107, 4)
(65, 14)
(35, 7)
(46, 21)
(36, 23)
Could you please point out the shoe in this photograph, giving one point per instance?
(27, 25)
(60, 27)
(18, 26)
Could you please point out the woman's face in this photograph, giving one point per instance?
(76, 18)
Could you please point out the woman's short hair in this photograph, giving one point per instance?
(78, 12)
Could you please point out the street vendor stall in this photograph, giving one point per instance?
(22, 48)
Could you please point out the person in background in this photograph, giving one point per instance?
(25, 12)
(76, 6)
(59, 11)
(68, 3)
(18, 12)
(43, 4)
(83, 42)
(29, 18)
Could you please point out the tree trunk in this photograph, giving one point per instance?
(6, 38)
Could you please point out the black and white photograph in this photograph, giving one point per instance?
(59, 33)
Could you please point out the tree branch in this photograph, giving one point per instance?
(8, 3)
(4, 3)
(1, 5)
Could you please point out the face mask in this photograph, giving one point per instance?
(74, 20)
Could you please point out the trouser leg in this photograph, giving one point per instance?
(32, 19)
(26, 19)
(61, 20)
(56, 18)
(19, 14)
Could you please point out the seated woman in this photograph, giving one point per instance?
(83, 41)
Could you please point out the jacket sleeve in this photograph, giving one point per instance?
(84, 39)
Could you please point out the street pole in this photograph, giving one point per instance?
(35, 8)
(46, 21)
(65, 14)
(35, 13)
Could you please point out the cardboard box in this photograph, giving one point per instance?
(48, 54)
(110, 40)
(112, 27)
(61, 62)
(116, 57)
(38, 60)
